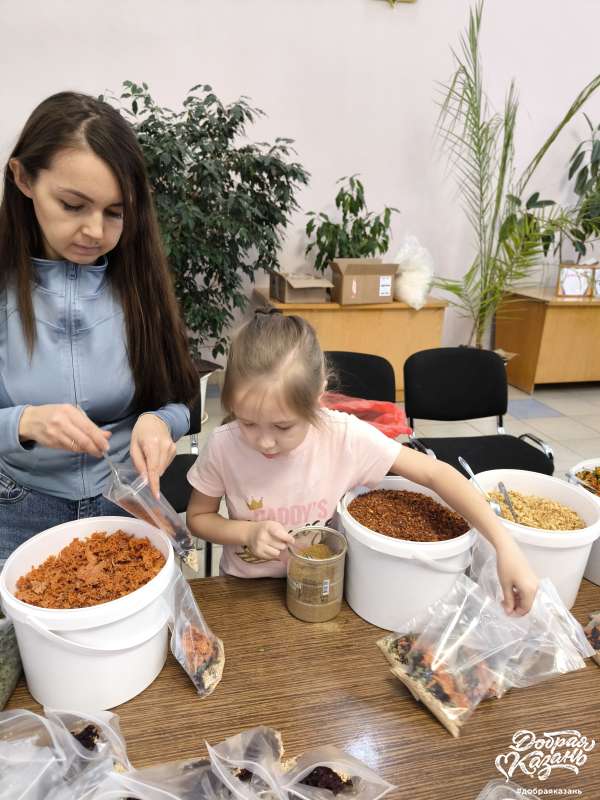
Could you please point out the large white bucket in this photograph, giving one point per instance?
(91, 658)
(592, 570)
(559, 555)
(389, 580)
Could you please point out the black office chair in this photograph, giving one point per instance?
(462, 383)
(361, 375)
(174, 483)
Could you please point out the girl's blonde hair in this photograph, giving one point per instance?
(281, 348)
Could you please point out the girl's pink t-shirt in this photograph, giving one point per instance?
(300, 488)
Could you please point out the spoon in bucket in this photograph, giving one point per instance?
(508, 501)
(493, 504)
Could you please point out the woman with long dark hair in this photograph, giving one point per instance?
(93, 352)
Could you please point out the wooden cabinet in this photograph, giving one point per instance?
(556, 338)
(393, 330)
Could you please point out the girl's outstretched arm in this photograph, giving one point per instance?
(517, 579)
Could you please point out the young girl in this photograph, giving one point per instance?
(92, 348)
(285, 462)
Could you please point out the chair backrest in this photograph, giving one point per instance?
(454, 383)
(361, 375)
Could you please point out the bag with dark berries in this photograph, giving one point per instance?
(592, 631)
(194, 645)
(458, 657)
(327, 772)
(249, 763)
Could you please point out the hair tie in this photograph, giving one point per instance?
(266, 311)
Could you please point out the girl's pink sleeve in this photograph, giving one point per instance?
(207, 475)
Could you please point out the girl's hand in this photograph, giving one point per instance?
(63, 427)
(267, 540)
(518, 581)
(152, 449)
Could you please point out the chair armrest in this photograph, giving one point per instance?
(547, 450)
(415, 444)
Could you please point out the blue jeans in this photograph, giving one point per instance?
(25, 512)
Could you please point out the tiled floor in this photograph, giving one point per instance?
(565, 416)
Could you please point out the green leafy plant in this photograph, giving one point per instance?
(510, 234)
(360, 234)
(222, 201)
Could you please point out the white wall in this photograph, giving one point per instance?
(352, 81)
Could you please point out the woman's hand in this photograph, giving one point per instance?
(63, 427)
(152, 449)
(518, 581)
(268, 540)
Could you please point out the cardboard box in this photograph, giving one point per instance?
(298, 288)
(362, 281)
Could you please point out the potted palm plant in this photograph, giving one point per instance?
(511, 233)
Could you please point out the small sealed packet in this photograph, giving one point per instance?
(592, 632)
(248, 764)
(458, 658)
(132, 493)
(327, 772)
(501, 790)
(194, 645)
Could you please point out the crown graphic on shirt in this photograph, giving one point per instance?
(253, 504)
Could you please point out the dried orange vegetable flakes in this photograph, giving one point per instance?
(91, 571)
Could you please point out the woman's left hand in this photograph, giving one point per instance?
(518, 581)
(152, 449)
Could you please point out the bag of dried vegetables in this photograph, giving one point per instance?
(325, 772)
(592, 632)
(10, 660)
(194, 645)
(457, 655)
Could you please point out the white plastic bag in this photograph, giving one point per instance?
(414, 275)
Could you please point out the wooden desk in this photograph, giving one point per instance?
(392, 330)
(556, 338)
(329, 684)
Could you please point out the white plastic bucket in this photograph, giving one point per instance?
(559, 555)
(389, 580)
(592, 570)
(91, 658)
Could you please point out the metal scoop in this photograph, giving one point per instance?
(493, 504)
(508, 501)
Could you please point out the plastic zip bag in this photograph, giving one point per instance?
(551, 641)
(459, 657)
(10, 660)
(132, 493)
(194, 645)
(325, 772)
(592, 632)
(90, 736)
(501, 790)
(248, 763)
(387, 417)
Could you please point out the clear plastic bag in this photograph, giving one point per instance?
(10, 660)
(132, 493)
(177, 780)
(551, 640)
(501, 790)
(248, 764)
(460, 655)
(41, 758)
(387, 417)
(325, 772)
(194, 645)
(592, 632)
(414, 275)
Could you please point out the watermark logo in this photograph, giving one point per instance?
(540, 756)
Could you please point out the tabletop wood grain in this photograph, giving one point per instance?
(328, 683)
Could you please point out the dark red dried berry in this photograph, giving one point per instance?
(326, 778)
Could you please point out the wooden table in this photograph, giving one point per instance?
(556, 338)
(329, 684)
(392, 330)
